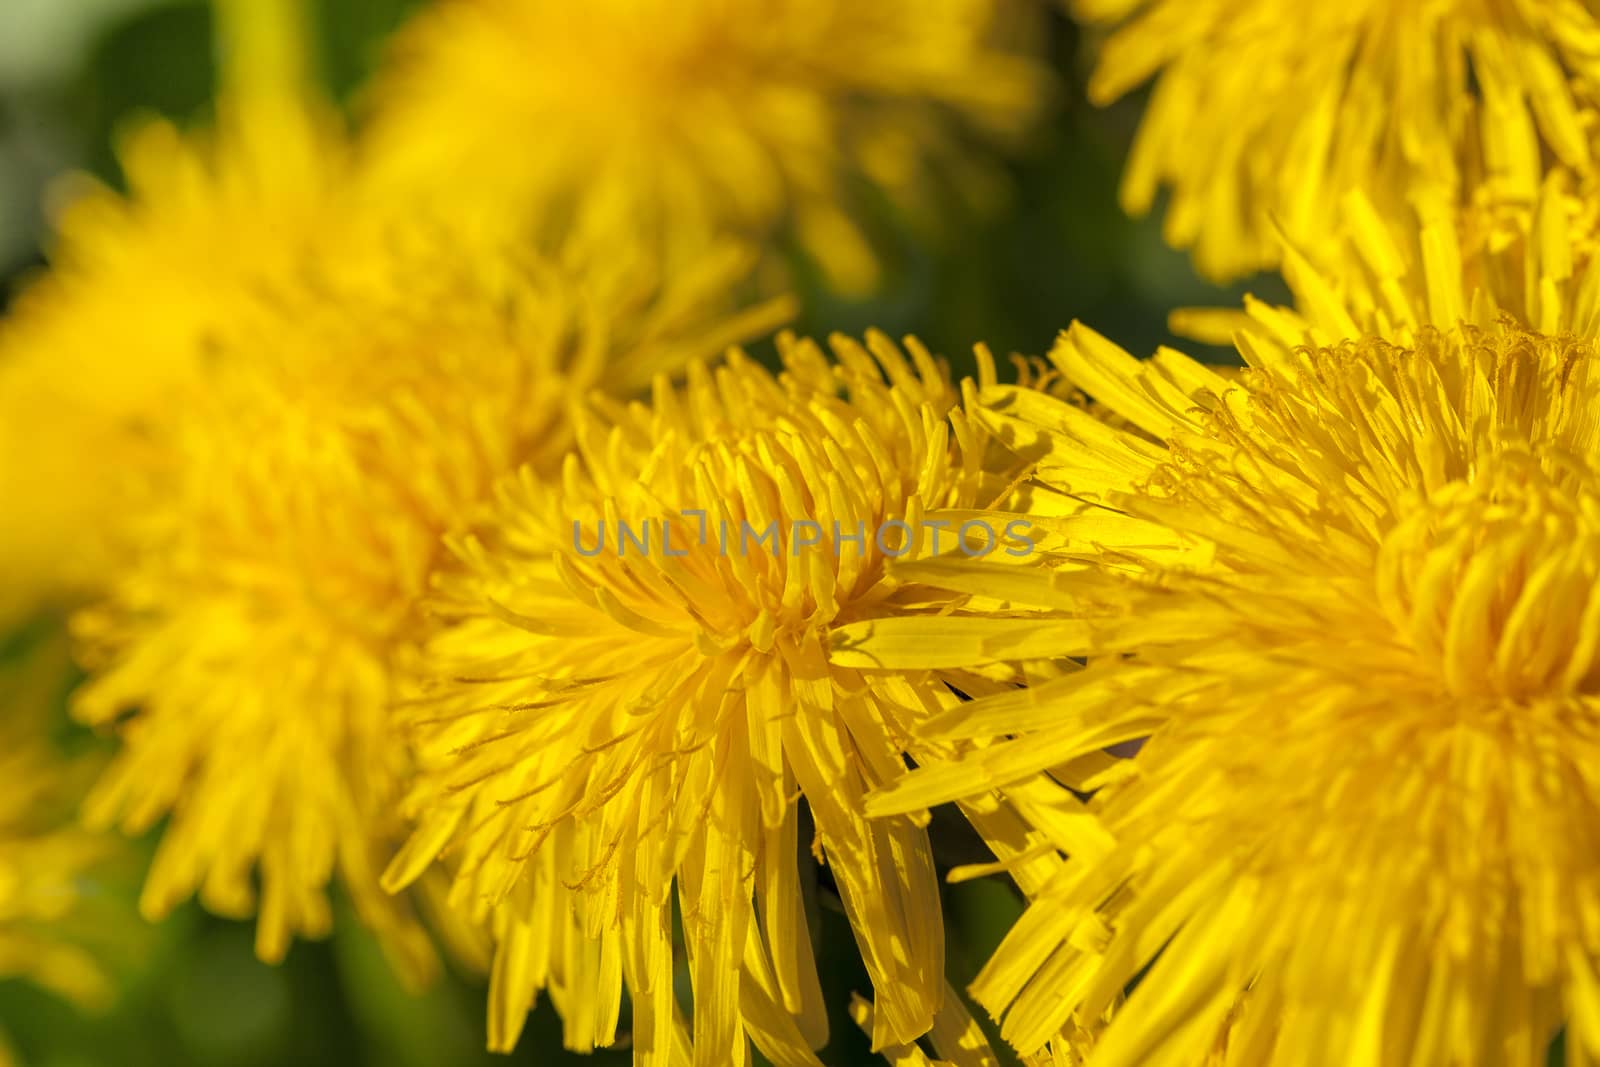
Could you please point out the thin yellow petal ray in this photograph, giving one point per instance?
(923, 643)
(1002, 764)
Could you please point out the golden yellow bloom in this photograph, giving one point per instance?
(1272, 110)
(664, 121)
(1351, 602)
(46, 861)
(344, 425)
(608, 720)
(97, 351)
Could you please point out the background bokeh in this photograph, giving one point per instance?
(1056, 248)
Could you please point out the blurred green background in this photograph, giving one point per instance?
(72, 71)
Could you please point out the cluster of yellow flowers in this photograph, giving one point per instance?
(424, 531)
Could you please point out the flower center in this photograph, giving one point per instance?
(1495, 581)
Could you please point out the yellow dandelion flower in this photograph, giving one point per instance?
(96, 351)
(46, 862)
(1350, 601)
(610, 716)
(1264, 110)
(343, 427)
(667, 121)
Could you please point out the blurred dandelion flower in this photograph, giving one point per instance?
(605, 722)
(345, 424)
(662, 122)
(1351, 602)
(95, 353)
(1297, 104)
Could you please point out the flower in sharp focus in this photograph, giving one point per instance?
(606, 721)
(245, 657)
(1265, 110)
(663, 122)
(1350, 602)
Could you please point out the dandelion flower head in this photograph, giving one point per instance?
(96, 351)
(663, 122)
(1350, 603)
(245, 658)
(605, 723)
